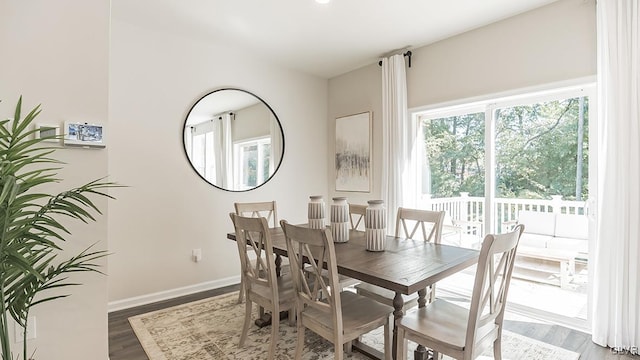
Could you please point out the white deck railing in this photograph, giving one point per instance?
(471, 209)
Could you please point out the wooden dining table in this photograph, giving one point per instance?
(405, 266)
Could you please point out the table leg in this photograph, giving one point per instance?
(421, 352)
(278, 265)
(265, 318)
(398, 304)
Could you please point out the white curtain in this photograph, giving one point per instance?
(223, 147)
(616, 288)
(398, 140)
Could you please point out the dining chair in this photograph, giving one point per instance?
(321, 306)
(464, 333)
(356, 216)
(266, 209)
(408, 222)
(461, 233)
(262, 286)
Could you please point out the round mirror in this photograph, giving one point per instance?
(233, 139)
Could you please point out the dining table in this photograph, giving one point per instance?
(406, 266)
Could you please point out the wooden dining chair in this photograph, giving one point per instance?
(338, 316)
(266, 209)
(262, 286)
(412, 224)
(465, 333)
(356, 216)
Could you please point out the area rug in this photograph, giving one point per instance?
(210, 329)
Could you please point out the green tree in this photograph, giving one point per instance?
(455, 149)
(536, 151)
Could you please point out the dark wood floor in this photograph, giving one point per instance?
(123, 344)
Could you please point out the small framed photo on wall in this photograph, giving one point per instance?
(84, 134)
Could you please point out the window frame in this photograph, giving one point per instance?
(238, 160)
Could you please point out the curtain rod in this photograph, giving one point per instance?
(407, 54)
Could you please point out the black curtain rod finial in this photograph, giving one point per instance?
(407, 54)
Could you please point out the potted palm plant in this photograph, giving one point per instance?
(32, 225)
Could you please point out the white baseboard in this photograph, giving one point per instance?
(170, 294)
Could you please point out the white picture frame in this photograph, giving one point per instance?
(84, 134)
(353, 153)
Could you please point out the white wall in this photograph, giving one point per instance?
(167, 211)
(251, 122)
(50, 61)
(551, 44)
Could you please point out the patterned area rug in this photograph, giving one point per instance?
(210, 329)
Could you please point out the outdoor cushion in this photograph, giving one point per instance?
(537, 222)
(534, 240)
(579, 245)
(572, 226)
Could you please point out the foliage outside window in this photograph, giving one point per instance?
(455, 152)
(541, 149)
(252, 161)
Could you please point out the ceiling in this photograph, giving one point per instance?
(323, 40)
(218, 102)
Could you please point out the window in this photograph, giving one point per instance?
(453, 154)
(252, 162)
(532, 147)
(200, 147)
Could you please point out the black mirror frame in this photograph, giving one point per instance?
(184, 145)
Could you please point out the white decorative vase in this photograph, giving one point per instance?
(340, 219)
(375, 225)
(316, 212)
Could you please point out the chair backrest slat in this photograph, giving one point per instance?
(491, 285)
(356, 215)
(266, 209)
(415, 219)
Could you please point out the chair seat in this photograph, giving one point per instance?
(344, 281)
(442, 323)
(385, 296)
(359, 315)
(286, 291)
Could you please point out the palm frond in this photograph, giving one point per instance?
(32, 224)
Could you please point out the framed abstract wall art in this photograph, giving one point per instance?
(353, 153)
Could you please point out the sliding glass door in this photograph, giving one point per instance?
(523, 159)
